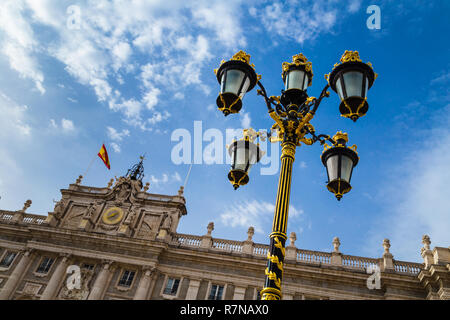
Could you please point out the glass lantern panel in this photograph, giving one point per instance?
(245, 87)
(295, 79)
(353, 83)
(231, 82)
(339, 89)
(305, 84)
(367, 87)
(332, 167)
(346, 168)
(242, 157)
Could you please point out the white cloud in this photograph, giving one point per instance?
(245, 120)
(173, 37)
(115, 135)
(158, 117)
(258, 214)
(18, 43)
(67, 125)
(301, 22)
(165, 178)
(115, 147)
(13, 121)
(354, 6)
(418, 192)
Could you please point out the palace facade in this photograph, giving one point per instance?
(121, 242)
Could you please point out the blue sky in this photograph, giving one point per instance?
(135, 71)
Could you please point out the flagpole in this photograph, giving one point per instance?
(89, 166)
(92, 161)
(187, 176)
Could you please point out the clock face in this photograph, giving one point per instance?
(112, 215)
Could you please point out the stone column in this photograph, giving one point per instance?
(56, 278)
(144, 283)
(192, 290)
(15, 277)
(101, 282)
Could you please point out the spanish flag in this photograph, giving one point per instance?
(103, 154)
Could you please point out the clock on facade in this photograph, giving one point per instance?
(112, 215)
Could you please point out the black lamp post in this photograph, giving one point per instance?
(292, 112)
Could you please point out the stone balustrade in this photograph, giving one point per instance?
(258, 250)
(349, 262)
(27, 217)
(313, 256)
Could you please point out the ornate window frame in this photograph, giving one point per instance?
(41, 274)
(216, 283)
(163, 287)
(121, 273)
(12, 262)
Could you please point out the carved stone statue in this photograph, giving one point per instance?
(90, 211)
(292, 239)
(124, 191)
(131, 216)
(59, 208)
(210, 228)
(26, 205)
(167, 222)
(386, 245)
(250, 233)
(336, 244)
(426, 243)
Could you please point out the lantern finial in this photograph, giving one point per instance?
(340, 136)
(350, 56)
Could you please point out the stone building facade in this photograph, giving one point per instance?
(121, 242)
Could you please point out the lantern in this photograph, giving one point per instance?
(339, 161)
(297, 76)
(244, 153)
(351, 79)
(236, 77)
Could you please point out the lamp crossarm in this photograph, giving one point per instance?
(321, 138)
(269, 101)
(323, 94)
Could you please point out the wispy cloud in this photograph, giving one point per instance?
(258, 214)
(66, 126)
(173, 39)
(301, 22)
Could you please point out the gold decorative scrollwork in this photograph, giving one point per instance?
(275, 259)
(279, 245)
(273, 276)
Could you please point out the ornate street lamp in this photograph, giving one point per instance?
(297, 76)
(339, 161)
(351, 79)
(292, 112)
(236, 77)
(244, 153)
